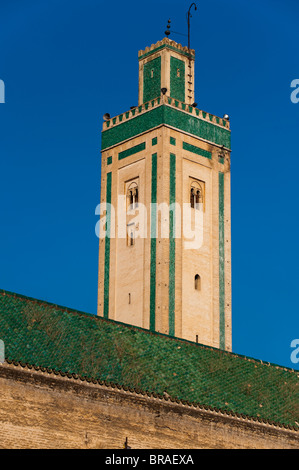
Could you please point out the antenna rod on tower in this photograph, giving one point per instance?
(188, 19)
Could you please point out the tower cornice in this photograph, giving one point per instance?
(178, 115)
(169, 44)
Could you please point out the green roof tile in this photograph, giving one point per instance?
(46, 335)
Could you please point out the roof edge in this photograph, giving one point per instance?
(138, 328)
(165, 397)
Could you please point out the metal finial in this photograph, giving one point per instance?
(188, 19)
(167, 32)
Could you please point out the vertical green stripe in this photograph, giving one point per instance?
(152, 79)
(172, 197)
(221, 264)
(153, 244)
(107, 248)
(177, 82)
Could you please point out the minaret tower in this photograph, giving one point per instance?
(167, 160)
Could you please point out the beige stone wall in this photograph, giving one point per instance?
(129, 266)
(128, 261)
(39, 410)
(196, 313)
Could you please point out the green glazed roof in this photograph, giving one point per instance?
(46, 335)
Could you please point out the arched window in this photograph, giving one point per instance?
(132, 201)
(196, 195)
(197, 282)
(132, 196)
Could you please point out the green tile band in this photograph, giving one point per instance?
(197, 127)
(173, 117)
(177, 79)
(197, 150)
(131, 151)
(221, 264)
(172, 198)
(135, 126)
(152, 79)
(107, 247)
(153, 244)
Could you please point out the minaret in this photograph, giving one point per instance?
(167, 161)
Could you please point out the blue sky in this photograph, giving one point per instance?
(66, 63)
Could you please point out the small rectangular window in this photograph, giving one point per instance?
(131, 234)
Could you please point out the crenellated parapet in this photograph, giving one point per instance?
(166, 43)
(168, 101)
(170, 112)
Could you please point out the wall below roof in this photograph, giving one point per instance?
(41, 410)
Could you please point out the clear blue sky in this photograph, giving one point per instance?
(65, 63)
